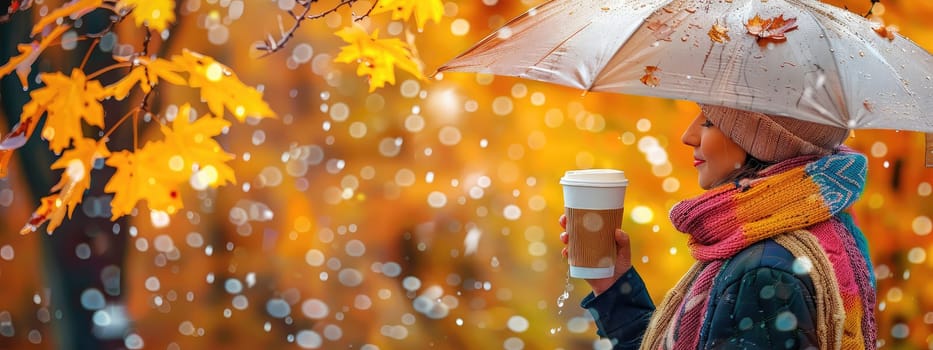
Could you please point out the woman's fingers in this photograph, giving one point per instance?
(564, 237)
(563, 221)
(563, 252)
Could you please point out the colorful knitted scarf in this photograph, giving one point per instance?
(798, 203)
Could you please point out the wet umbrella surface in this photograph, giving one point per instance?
(800, 58)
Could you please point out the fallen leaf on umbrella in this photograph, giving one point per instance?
(719, 33)
(886, 32)
(649, 78)
(771, 28)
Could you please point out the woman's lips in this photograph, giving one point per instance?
(697, 162)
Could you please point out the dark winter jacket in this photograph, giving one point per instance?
(756, 302)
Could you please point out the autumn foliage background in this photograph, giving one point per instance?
(402, 211)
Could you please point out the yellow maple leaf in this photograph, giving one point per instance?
(424, 10)
(377, 57)
(221, 88)
(146, 74)
(719, 33)
(190, 145)
(68, 100)
(158, 14)
(73, 9)
(69, 192)
(140, 176)
(28, 53)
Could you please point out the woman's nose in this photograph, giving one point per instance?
(691, 136)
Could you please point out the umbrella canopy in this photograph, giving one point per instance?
(798, 58)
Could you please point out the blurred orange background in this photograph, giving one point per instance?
(423, 215)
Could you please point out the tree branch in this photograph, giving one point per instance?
(271, 45)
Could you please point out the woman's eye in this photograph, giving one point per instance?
(707, 123)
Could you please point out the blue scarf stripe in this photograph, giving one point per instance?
(841, 179)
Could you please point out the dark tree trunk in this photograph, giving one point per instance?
(66, 275)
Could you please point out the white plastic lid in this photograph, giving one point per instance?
(594, 178)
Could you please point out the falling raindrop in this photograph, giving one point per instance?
(233, 286)
(92, 299)
(512, 212)
(786, 321)
(35, 337)
(278, 308)
(133, 341)
(513, 343)
(315, 309)
(308, 339)
(152, 284)
(802, 265)
(517, 324)
(240, 302)
(7, 253)
(922, 225)
(350, 277)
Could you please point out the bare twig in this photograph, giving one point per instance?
(271, 45)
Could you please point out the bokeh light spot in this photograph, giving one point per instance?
(642, 214)
(922, 225)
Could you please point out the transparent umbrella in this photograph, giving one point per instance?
(799, 58)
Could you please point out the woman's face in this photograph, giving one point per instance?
(715, 155)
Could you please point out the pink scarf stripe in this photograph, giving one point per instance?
(858, 286)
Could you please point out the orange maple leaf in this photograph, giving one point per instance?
(649, 78)
(28, 53)
(48, 207)
(884, 31)
(69, 191)
(377, 58)
(73, 9)
(221, 88)
(141, 176)
(20, 133)
(68, 100)
(719, 33)
(772, 28)
(191, 149)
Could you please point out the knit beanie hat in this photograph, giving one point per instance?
(772, 138)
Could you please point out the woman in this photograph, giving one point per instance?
(780, 265)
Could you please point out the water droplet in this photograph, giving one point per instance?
(278, 308)
(92, 299)
(133, 341)
(785, 321)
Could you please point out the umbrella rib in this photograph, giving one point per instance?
(552, 50)
(816, 19)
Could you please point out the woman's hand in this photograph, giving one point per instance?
(623, 258)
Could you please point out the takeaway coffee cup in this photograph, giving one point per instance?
(593, 206)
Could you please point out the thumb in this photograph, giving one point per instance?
(622, 240)
(623, 251)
